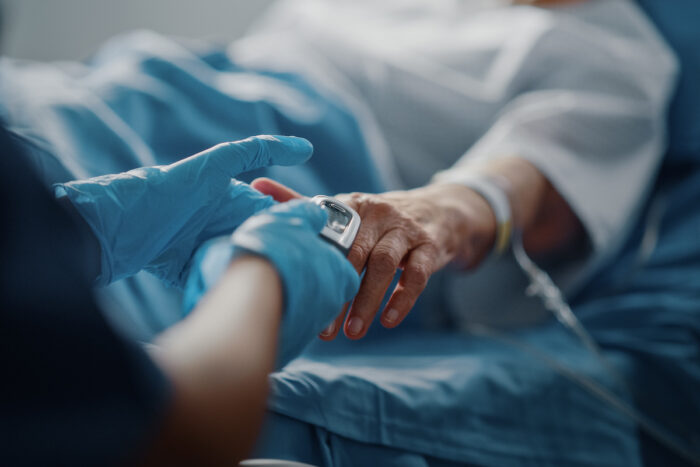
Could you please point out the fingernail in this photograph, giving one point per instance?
(329, 330)
(355, 326)
(391, 316)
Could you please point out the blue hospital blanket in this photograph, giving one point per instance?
(448, 399)
(406, 397)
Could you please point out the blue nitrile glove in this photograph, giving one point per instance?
(317, 279)
(154, 218)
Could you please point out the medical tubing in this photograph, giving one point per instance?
(663, 436)
(543, 286)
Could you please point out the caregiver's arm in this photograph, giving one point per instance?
(220, 356)
(218, 360)
(137, 217)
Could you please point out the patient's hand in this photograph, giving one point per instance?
(418, 231)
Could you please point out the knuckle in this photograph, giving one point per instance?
(383, 260)
(227, 148)
(402, 222)
(351, 199)
(380, 207)
(357, 198)
(417, 231)
(358, 253)
(413, 235)
(421, 232)
(430, 246)
(417, 275)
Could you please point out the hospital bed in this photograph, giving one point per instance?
(410, 397)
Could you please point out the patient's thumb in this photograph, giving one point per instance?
(279, 192)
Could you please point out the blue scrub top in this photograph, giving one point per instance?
(73, 391)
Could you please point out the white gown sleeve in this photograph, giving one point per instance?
(589, 113)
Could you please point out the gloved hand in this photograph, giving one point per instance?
(154, 218)
(316, 277)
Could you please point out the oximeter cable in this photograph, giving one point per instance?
(542, 286)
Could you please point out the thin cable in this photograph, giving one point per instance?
(650, 240)
(599, 391)
(542, 286)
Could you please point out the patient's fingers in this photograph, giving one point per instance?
(278, 191)
(417, 270)
(332, 330)
(371, 230)
(382, 264)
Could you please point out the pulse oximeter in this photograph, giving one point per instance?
(342, 225)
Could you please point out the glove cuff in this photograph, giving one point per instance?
(74, 195)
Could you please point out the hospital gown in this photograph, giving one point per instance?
(581, 92)
(408, 397)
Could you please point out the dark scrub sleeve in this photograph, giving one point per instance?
(72, 391)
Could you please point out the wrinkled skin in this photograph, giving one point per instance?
(418, 231)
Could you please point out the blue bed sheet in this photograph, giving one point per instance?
(406, 397)
(438, 398)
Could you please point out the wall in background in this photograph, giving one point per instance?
(72, 29)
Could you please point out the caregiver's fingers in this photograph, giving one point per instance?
(382, 264)
(238, 203)
(332, 330)
(279, 192)
(417, 270)
(256, 152)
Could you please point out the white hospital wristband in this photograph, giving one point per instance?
(494, 194)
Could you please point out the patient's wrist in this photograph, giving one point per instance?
(538, 210)
(470, 224)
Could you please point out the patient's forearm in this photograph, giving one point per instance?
(219, 360)
(423, 229)
(545, 218)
